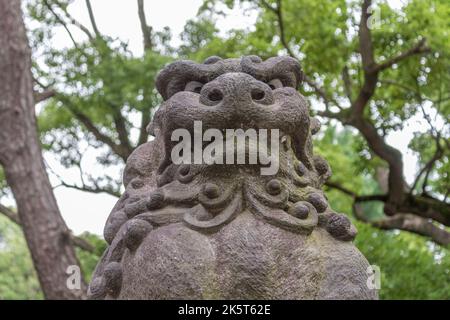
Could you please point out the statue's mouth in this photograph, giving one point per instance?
(249, 148)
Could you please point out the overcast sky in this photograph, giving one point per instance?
(88, 212)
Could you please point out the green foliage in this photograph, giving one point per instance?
(3, 185)
(89, 260)
(96, 82)
(351, 167)
(18, 279)
(411, 267)
(440, 179)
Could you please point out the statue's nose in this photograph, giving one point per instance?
(236, 90)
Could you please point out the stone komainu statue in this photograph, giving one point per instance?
(224, 231)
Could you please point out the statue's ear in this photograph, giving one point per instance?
(174, 77)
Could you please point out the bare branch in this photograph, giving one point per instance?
(92, 19)
(71, 19)
(120, 124)
(427, 167)
(147, 40)
(337, 186)
(357, 198)
(118, 149)
(14, 217)
(283, 39)
(427, 207)
(90, 189)
(318, 90)
(82, 243)
(406, 222)
(415, 224)
(365, 37)
(347, 83)
(44, 95)
(146, 29)
(84, 187)
(61, 21)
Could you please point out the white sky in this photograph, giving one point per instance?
(85, 211)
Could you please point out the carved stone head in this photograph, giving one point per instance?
(218, 213)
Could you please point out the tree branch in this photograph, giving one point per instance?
(347, 83)
(268, 6)
(423, 206)
(146, 29)
(61, 21)
(70, 18)
(283, 39)
(87, 188)
(84, 187)
(357, 198)
(406, 222)
(279, 15)
(321, 92)
(92, 19)
(427, 207)
(341, 188)
(415, 224)
(376, 142)
(368, 62)
(388, 153)
(427, 167)
(119, 123)
(148, 45)
(419, 48)
(365, 37)
(118, 149)
(77, 241)
(14, 217)
(44, 95)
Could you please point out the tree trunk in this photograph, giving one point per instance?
(47, 235)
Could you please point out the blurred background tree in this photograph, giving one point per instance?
(370, 68)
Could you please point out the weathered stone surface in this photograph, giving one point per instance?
(217, 231)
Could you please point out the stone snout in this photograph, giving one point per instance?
(262, 114)
(238, 94)
(229, 147)
(232, 101)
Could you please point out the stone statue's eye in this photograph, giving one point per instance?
(275, 84)
(193, 86)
